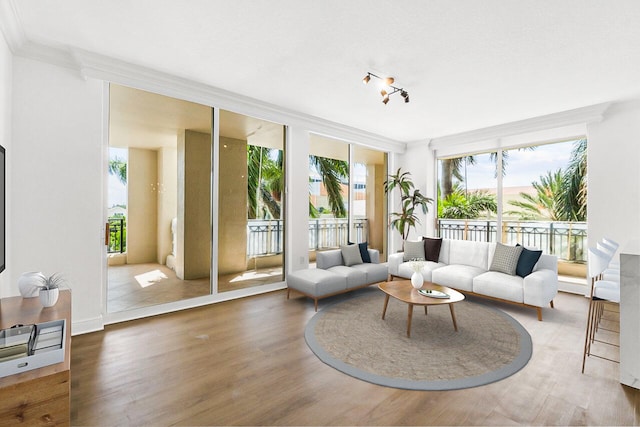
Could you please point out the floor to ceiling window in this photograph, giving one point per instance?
(346, 196)
(534, 195)
(250, 219)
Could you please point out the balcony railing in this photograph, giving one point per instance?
(566, 240)
(117, 235)
(266, 237)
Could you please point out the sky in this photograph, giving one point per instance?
(523, 166)
(117, 190)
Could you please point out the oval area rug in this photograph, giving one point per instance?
(351, 337)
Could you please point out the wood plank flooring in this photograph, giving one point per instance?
(245, 362)
(132, 286)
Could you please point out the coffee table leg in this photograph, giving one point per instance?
(409, 316)
(425, 310)
(453, 317)
(384, 310)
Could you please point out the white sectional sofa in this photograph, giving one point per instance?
(336, 274)
(467, 266)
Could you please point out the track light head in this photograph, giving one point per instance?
(388, 88)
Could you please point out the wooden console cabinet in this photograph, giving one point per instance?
(40, 397)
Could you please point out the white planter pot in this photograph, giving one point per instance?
(417, 280)
(28, 284)
(49, 298)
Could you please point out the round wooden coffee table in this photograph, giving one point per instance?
(403, 291)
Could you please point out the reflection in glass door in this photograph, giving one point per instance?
(159, 208)
(368, 173)
(250, 202)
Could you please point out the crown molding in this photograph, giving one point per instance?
(104, 68)
(11, 26)
(589, 114)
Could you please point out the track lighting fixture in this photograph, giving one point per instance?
(388, 88)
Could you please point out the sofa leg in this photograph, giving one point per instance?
(539, 313)
(288, 292)
(315, 300)
(551, 304)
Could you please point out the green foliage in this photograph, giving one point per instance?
(265, 182)
(332, 172)
(560, 195)
(572, 202)
(473, 205)
(117, 235)
(544, 204)
(410, 200)
(118, 167)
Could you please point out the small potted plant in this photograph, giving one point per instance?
(50, 289)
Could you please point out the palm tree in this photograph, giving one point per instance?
(265, 182)
(462, 205)
(545, 203)
(573, 202)
(410, 199)
(560, 195)
(118, 167)
(452, 168)
(332, 172)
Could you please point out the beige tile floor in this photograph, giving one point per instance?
(133, 286)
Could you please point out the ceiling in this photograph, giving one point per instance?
(466, 64)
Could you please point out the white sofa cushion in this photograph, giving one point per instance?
(499, 285)
(354, 277)
(465, 252)
(375, 272)
(456, 276)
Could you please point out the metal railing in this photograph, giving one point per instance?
(566, 240)
(266, 237)
(117, 235)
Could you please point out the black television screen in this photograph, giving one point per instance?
(3, 187)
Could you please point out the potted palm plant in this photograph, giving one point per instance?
(50, 289)
(410, 200)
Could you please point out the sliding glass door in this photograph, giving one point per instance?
(250, 202)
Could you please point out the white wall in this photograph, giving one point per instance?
(419, 161)
(614, 175)
(57, 180)
(297, 208)
(6, 63)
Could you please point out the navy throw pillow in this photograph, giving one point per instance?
(527, 261)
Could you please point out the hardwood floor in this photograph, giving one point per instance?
(245, 362)
(132, 286)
